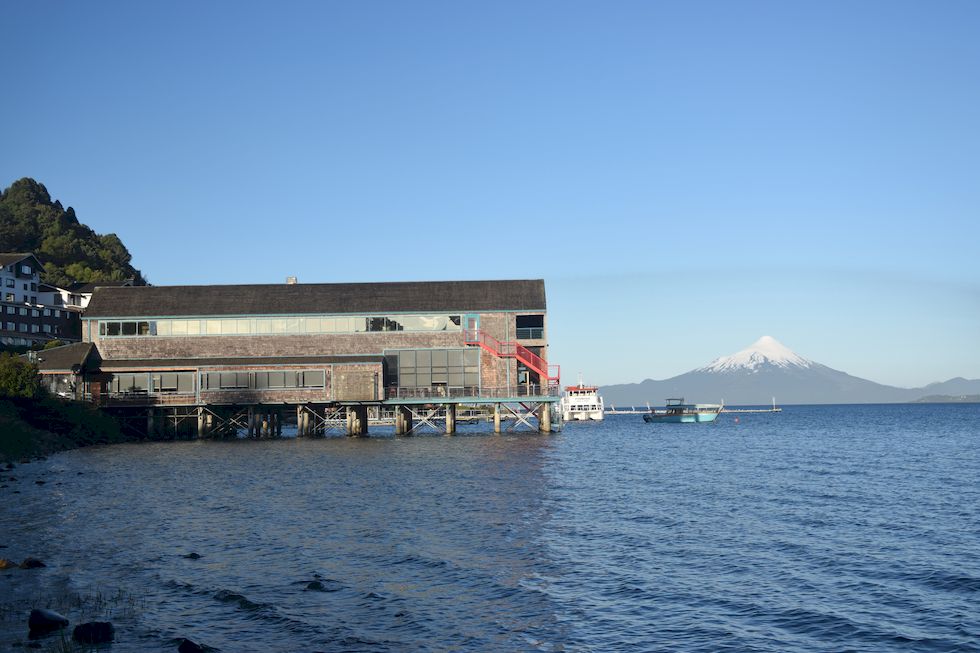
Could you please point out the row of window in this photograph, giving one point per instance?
(142, 383)
(12, 283)
(270, 326)
(11, 297)
(34, 312)
(262, 380)
(24, 269)
(24, 328)
(183, 382)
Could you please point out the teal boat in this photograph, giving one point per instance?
(677, 412)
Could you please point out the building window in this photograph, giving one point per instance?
(22, 327)
(11, 326)
(10, 297)
(129, 383)
(57, 313)
(35, 313)
(26, 269)
(35, 328)
(34, 299)
(11, 283)
(47, 328)
(11, 310)
(530, 327)
(173, 383)
(435, 368)
(22, 311)
(47, 312)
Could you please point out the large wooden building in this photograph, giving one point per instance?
(238, 355)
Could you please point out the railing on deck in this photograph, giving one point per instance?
(504, 392)
(530, 333)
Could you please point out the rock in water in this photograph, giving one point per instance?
(94, 632)
(7, 564)
(193, 556)
(32, 563)
(187, 646)
(44, 621)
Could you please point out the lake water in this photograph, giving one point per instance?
(826, 528)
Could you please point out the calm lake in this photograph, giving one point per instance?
(825, 528)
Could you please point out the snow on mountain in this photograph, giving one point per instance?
(764, 351)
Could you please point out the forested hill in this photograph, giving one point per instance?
(70, 251)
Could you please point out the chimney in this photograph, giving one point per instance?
(291, 281)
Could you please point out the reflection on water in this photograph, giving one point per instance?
(814, 529)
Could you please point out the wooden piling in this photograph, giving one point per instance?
(450, 419)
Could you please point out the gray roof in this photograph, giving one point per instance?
(62, 359)
(323, 298)
(90, 286)
(6, 258)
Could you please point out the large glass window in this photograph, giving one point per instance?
(423, 368)
(273, 380)
(279, 325)
(173, 383)
(137, 383)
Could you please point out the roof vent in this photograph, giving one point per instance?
(291, 281)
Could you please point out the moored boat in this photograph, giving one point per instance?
(676, 412)
(581, 403)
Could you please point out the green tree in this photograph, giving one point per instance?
(30, 221)
(19, 378)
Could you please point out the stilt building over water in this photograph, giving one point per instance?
(225, 359)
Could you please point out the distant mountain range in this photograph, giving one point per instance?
(768, 369)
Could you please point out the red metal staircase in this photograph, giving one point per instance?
(532, 361)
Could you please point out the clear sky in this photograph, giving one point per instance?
(686, 176)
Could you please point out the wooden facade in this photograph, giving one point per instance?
(320, 348)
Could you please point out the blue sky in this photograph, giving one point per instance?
(686, 176)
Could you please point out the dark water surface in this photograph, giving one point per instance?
(825, 528)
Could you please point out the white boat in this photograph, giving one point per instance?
(581, 403)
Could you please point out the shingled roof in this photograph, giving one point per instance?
(6, 258)
(325, 298)
(77, 355)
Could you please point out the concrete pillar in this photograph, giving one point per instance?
(450, 419)
(496, 418)
(251, 421)
(403, 420)
(544, 417)
(150, 425)
(299, 422)
(200, 422)
(357, 421)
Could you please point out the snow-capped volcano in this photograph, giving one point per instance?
(766, 370)
(764, 351)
